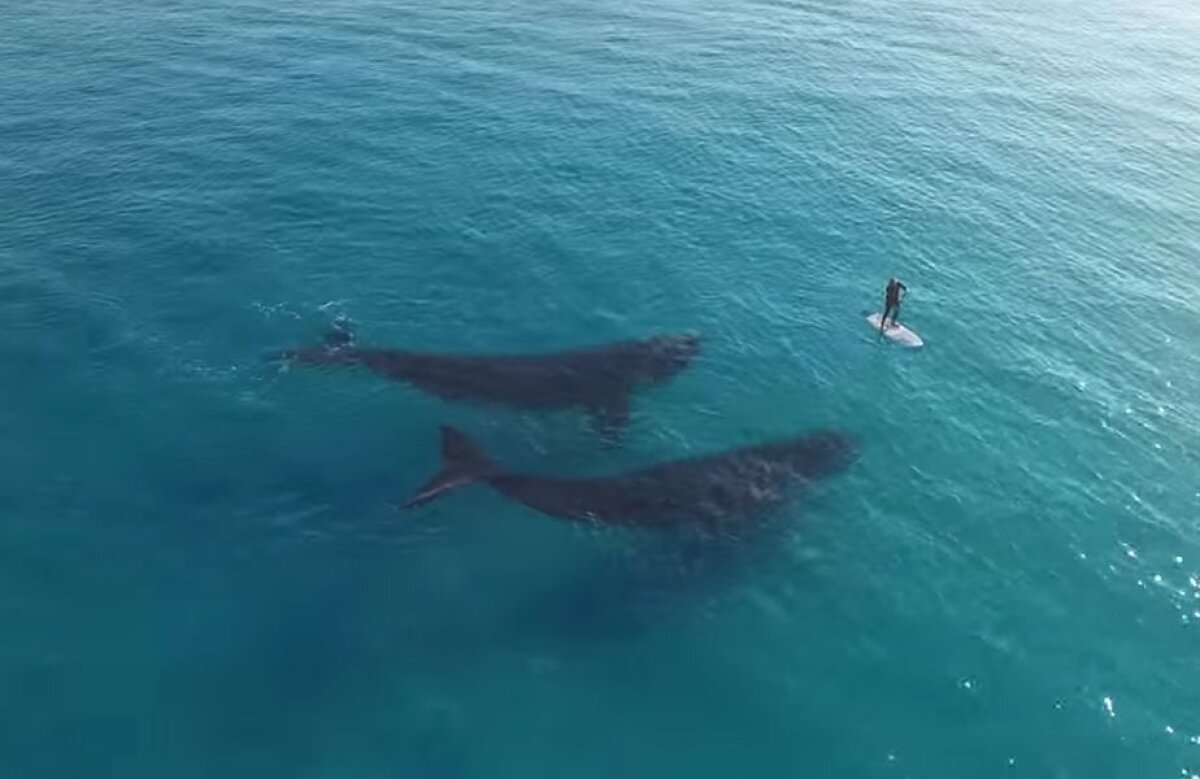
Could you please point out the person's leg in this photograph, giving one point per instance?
(895, 313)
(883, 319)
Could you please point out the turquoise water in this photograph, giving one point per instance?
(200, 574)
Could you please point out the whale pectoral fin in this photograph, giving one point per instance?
(611, 417)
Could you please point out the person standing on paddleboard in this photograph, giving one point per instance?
(891, 302)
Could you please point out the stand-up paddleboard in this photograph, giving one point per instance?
(897, 333)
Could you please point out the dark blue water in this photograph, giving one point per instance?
(201, 574)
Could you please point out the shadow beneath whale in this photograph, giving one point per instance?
(642, 587)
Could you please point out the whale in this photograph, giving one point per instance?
(715, 492)
(598, 379)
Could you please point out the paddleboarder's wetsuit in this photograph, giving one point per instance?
(891, 301)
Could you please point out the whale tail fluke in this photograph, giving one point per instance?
(335, 347)
(463, 464)
(339, 334)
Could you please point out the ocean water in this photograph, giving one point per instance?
(201, 574)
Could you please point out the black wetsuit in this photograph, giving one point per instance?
(891, 302)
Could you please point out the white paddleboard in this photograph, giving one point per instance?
(897, 333)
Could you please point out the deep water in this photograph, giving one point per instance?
(201, 573)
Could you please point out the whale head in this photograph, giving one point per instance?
(824, 453)
(665, 355)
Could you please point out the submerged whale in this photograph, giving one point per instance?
(702, 492)
(599, 379)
